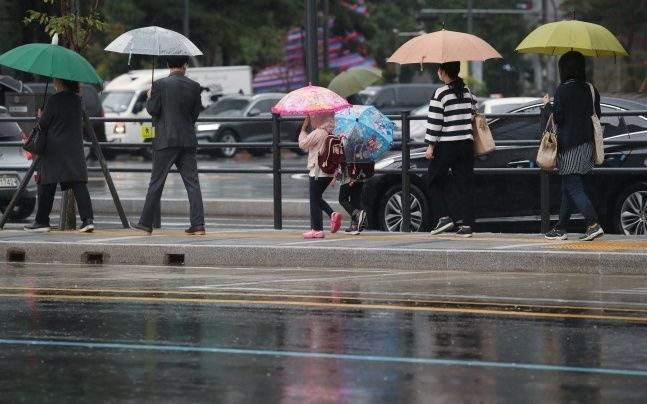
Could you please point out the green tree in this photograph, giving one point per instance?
(75, 28)
(626, 19)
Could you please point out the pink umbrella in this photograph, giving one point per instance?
(309, 100)
(443, 46)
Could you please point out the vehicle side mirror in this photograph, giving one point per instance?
(254, 112)
(138, 107)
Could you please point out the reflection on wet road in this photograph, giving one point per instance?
(317, 335)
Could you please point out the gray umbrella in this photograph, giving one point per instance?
(155, 41)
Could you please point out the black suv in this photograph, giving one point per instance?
(513, 198)
(391, 99)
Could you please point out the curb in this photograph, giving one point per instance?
(333, 257)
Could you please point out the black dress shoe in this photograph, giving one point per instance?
(196, 230)
(139, 226)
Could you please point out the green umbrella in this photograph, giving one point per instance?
(560, 37)
(354, 80)
(51, 61)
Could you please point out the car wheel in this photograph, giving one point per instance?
(630, 215)
(227, 136)
(22, 210)
(390, 211)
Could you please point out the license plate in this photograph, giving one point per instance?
(8, 181)
(148, 132)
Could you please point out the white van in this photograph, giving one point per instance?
(125, 97)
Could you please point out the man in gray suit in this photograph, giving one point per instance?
(174, 103)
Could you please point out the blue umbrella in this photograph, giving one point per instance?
(367, 132)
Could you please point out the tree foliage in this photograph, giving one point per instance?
(75, 28)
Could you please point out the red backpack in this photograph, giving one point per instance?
(331, 154)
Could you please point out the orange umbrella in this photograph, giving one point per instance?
(443, 46)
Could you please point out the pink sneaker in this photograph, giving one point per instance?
(314, 234)
(335, 222)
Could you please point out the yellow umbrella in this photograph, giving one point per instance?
(354, 80)
(557, 38)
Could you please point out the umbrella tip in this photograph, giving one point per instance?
(55, 39)
(443, 23)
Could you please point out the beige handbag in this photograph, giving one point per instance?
(597, 132)
(547, 154)
(483, 140)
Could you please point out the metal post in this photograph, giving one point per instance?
(19, 191)
(312, 59)
(544, 192)
(276, 172)
(185, 19)
(104, 168)
(67, 219)
(406, 182)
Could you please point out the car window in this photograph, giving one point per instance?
(415, 95)
(236, 106)
(520, 128)
(612, 125)
(116, 101)
(385, 98)
(265, 106)
(636, 123)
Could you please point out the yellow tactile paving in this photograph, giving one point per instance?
(604, 245)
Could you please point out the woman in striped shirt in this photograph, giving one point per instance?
(451, 145)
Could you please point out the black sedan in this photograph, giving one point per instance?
(511, 198)
(235, 106)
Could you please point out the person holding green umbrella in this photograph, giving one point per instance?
(63, 161)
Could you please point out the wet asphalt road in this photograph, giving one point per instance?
(161, 334)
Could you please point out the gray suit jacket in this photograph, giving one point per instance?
(174, 105)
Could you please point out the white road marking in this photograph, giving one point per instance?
(513, 246)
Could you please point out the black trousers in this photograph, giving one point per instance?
(459, 156)
(46, 194)
(350, 197)
(317, 203)
(185, 160)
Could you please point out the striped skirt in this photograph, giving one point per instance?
(578, 160)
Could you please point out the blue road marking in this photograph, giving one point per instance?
(366, 358)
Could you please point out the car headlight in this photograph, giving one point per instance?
(120, 128)
(206, 127)
(384, 163)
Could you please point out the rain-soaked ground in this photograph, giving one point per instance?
(159, 334)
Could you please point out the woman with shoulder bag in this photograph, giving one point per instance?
(451, 145)
(573, 106)
(63, 161)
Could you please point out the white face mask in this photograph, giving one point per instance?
(440, 76)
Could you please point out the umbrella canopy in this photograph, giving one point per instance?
(444, 46)
(51, 61)
(560, 37)
(309, 100)
(354, 80)
(367, 132)
(154, 41)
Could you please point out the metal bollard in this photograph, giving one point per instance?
(276, 172)
(406, 181)
(544, 195)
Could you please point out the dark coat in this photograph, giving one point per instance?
(63, 159)
(174, 104)
(572, 109)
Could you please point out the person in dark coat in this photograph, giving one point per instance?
(63, 161)
(573, 105)
(174, 103)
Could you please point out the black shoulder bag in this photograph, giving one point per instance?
(36, 141)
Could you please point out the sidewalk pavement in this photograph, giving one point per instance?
(221, 247)
(227, 207)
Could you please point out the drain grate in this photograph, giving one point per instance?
(16, 255)
(93, 258)
(174, 259)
